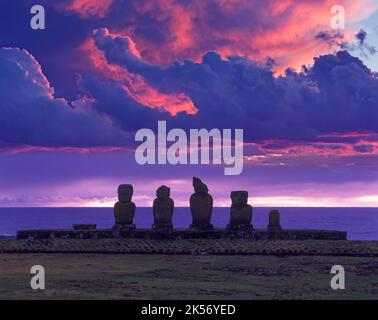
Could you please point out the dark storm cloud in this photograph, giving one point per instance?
(337, 94)
(113, 101)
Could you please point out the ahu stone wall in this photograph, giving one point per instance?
(240, 225)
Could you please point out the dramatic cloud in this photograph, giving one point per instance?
(31, 115)
(337, 94)
(166, 30)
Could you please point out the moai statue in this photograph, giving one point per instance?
(163, 209)
(124, 209)
(201, 206)
(241, 212)
(274, 221)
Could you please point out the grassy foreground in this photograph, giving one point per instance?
(97, 276)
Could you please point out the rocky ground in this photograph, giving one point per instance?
(158, 276)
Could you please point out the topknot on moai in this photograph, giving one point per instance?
(163, 209)
(199, 186)
(124, 208)
(201, 206)
(241, 212)
(274, 221)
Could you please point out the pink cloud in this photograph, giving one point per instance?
(134, 84)
(284, 30)
(90, 8)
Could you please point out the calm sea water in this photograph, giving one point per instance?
(360, 223)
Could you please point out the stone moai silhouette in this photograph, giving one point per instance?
(274, 221)
(201, 206)
(241, 211)
(163, 209)
(124, 209)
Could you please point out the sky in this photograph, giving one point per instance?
(72, 97)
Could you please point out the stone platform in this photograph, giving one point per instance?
(176, 234)
(193, 247)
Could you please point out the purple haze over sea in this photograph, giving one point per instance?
(360, 223)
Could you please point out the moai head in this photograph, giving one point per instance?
(199, 186)
(239, 198)
(163, 192)
(125, 192)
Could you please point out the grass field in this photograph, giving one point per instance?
(134, 276)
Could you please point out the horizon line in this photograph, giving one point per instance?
(100, 207)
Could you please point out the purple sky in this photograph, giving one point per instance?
(72, 97)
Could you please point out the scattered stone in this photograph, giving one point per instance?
(201, 206)
(274, 221)
(163, 210)
(241, 212)
(84, 226)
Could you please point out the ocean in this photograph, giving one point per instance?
(360, 223)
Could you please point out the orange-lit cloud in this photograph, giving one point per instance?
(90, 8)
(134, 84)
(284, 30)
